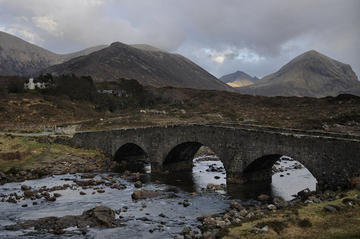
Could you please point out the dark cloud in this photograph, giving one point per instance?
(222, 36)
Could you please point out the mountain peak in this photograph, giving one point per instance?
(312, 52)
(120, 60)
(147, 47)
(238, 79)
(309, 74)
(117, 44)
(21, 58)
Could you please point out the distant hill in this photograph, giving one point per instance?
(238, 79)
(147, 64)
(21, 58)
(310, 74)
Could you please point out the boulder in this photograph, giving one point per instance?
(29, 193)
(271, 207)
(25, 187)
(99, 216)
(330, 208)
(186, 203)
(235, 205)
(138, 184)
(143, 194)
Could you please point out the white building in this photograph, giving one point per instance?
(31, 85)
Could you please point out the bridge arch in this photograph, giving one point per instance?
(180, 156)
(131, 156)
(260, 169)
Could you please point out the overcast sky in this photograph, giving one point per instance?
(222, 36)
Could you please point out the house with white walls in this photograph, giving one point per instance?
(31, 85)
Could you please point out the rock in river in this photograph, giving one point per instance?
(143, 194)
(99, 216)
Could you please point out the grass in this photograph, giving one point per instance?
(308, 222)
(26, 152)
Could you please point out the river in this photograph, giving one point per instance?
(141, 219)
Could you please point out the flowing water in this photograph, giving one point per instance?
(136, 226)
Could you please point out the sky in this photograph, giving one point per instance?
(222, 36)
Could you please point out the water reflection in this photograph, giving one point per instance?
(289, 178)
(213, 172)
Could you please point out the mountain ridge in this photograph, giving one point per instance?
(22, 58)
(152, 66)
(309, 74)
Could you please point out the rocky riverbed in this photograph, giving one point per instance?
(154, 210)
(137, 205)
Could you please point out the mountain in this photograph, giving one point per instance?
(310, 74)
(147, 64)
(352, 91)
(21, 58)
(238, 79)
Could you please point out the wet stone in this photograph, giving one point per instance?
(143, 194)
(186, 203)
(138, 184)
(235, 205)
(50, 199)
(57, 195)
(25, 187)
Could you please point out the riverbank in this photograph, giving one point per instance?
(24, 158)
(330, 215)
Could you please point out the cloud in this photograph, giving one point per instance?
(23, 32)
(48, 24)
(222, 36)
(229, 54)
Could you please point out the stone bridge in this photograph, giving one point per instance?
(248, 153)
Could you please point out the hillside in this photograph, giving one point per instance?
(310, 74)
(148, 65)
(238, 79)
(21, 58)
